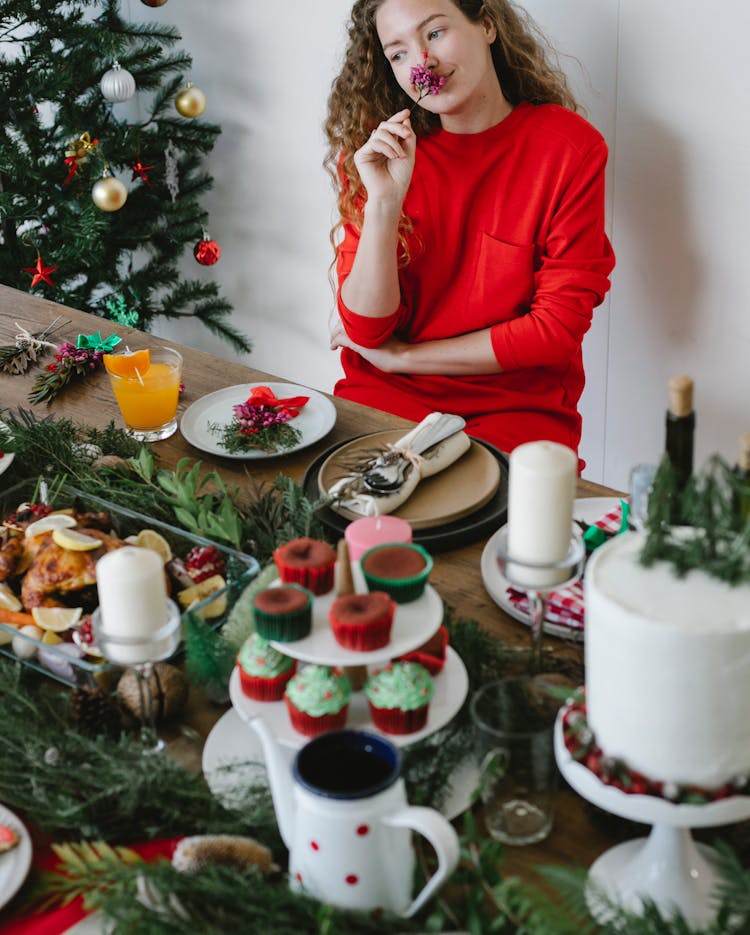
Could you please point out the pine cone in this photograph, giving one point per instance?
(169, 690)
(94, 711)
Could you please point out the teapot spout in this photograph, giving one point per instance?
(279, 772)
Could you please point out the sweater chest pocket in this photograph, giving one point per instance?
(503, 281)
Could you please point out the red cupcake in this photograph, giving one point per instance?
(362, 622)
(309, 562)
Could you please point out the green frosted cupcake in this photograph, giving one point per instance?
(317, 699)
(264, 671)
(284, 613)
(401, 569)
(399, 697)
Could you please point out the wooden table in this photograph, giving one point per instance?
(580, 833)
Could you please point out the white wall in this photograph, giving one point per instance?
(654, 77)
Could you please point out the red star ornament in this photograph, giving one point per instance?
(40, 272)
(139, 171)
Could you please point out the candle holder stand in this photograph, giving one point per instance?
(538, 580)
(141, 652)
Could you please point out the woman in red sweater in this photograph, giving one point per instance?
(470, 250)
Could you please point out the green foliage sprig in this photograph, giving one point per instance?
(718, 540)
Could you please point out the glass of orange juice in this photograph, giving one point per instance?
(146, 385)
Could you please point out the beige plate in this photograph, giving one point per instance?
(461, 489)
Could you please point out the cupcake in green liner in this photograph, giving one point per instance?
(399, 697)
(264, 671)
(401, 569)
(283, 613)
(317, 699)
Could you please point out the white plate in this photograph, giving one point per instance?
(8, 456)
(314, 421)
(15, 863)
(413, 624)
(587, 509)
(233, 758)
(451, 686)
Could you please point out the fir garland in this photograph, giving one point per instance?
(718, 541)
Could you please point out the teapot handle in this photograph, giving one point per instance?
(442, 836)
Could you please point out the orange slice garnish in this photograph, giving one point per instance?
(129, 364)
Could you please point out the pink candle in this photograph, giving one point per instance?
(364, 533)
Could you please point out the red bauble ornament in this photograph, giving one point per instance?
(154, 3)
(207, 252)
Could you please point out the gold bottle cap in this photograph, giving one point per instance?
(681, 396)
(744, 455)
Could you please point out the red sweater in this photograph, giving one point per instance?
(508, 233)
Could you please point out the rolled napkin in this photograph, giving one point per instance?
(423, 456)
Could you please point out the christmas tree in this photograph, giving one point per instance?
(101, 165)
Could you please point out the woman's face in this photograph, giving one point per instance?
(457, 49)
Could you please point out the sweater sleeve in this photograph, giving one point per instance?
(571, 278)
(363, 330)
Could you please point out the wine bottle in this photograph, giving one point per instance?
(680, 429)
(742, 470)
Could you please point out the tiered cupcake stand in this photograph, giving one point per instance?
(667, 868)
(232, 742)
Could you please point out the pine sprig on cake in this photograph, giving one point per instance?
(718, 541)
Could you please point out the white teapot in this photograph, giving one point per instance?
(343, 814)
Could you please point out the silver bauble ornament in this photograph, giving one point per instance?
(190, 101)
(117, 84)
(109, 193)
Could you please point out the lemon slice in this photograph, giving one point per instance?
(51, 638)
(56, 619)
(199, 592)
(49, 524)
(151, 539)
(75, 541)
(8, 599)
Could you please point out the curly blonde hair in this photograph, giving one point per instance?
(366, 92)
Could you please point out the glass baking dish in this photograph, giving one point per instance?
(92, 670)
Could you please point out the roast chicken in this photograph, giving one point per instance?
(52, 576)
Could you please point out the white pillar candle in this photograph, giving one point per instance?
(541, 491)
(132, 600)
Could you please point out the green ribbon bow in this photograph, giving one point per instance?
(95, 342)
(596, 536)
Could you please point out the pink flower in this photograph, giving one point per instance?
(425, 80)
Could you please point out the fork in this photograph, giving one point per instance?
(387, 472)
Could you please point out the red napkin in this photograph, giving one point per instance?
(58, 921)
(264, 396)
(565, 607)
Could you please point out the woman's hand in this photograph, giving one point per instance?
(387, 357)
(386, 161)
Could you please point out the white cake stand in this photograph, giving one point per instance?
(667, 867)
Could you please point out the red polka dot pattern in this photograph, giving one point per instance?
(363, 830)
(352, 878)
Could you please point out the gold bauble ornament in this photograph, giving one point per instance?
(109, 193)
(190, 101)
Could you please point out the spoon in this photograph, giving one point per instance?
(387, 473)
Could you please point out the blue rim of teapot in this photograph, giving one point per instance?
(333, 744)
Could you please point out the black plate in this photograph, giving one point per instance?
(461, 532)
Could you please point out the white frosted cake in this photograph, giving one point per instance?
(667, 668)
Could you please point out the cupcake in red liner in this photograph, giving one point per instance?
(317, 699)
(264, 671)
(362, 622)
(431, 654)
(309, 562)
(283, 613)
(399, 697)
(401, 569)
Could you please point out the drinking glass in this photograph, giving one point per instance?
(148, 397)
(513, 720)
